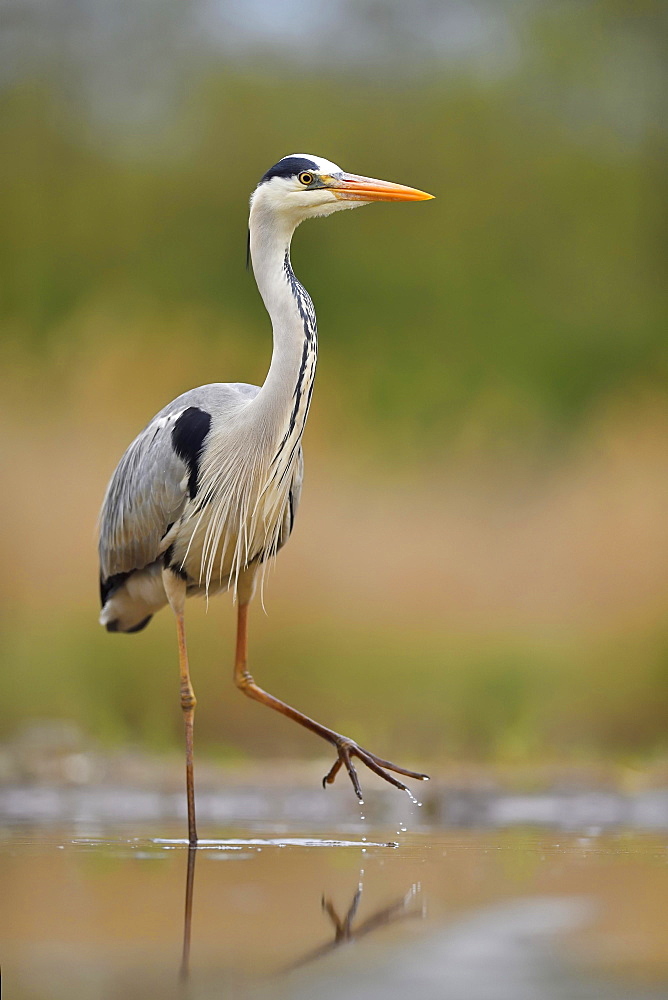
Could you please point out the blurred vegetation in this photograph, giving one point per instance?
(498, 320)
(415, 695)
(532, 287)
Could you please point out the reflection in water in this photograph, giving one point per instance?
(188, 914)
(526, 916)
(343, 928)
(344, 931)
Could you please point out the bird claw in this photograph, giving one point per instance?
(346, 750)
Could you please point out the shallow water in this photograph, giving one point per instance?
(96, 912)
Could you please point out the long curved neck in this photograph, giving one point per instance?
(284, 399)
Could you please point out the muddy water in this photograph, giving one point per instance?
(478, 915)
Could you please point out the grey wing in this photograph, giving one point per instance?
(156, 476)
(147, 494)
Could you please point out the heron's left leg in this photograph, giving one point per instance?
(175, 589)
(346, 748)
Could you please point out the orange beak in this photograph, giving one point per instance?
(352, 187)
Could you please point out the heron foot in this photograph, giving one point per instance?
(347, 749)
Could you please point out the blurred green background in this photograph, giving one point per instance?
(479, 567)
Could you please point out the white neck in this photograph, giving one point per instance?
(283, 401)
(249, 473)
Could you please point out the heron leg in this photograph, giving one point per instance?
(175, 589)
(346, 748)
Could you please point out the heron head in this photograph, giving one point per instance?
(302, 186)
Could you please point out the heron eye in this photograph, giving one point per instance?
(306, 178)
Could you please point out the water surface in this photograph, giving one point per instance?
(96, 912)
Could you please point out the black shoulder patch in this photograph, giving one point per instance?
(288, 167)
(111, 584)
(168, 564)
(188, 436)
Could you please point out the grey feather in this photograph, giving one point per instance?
(148, 491)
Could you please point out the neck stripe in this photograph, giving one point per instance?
(304, 385)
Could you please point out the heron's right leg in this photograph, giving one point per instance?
(175, 589)
(346, 748)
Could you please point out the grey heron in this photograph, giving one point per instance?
(207, 493)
